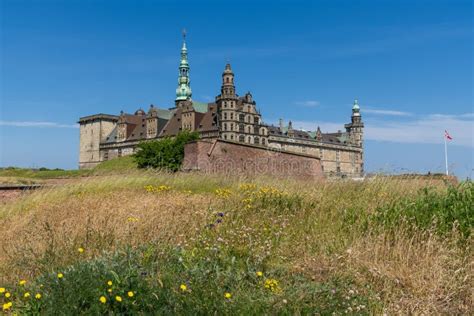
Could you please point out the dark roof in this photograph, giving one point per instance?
(173, 126)
(101, 116)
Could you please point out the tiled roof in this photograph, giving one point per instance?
(173, 126)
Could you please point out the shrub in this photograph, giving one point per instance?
(167, 153)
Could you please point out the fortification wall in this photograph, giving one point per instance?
(220, 156)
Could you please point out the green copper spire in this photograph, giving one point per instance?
(183, 91)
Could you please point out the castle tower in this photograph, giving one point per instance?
(228, 87)
(356, 126)
(183, 92)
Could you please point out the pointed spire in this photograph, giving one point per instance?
(183, 92)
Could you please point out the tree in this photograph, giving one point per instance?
(166, 153)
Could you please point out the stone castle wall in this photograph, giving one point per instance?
(220, 156)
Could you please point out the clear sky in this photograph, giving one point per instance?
(410, 64)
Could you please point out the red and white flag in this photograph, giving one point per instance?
(446, 134)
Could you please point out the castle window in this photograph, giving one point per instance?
(231, 126)
(231, 116)
(225, 127)
(232, 137)
(241, 128)
(241, 117)
(242, 138)
(255, 119)
(225, 115)
(227, 79)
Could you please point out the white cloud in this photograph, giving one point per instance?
(386, 112)
(37, 124)
(428, 129)
(308, 103)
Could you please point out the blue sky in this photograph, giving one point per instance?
(410, 64)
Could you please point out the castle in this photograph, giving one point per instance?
(231, 118)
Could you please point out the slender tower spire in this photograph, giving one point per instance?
(183, 92)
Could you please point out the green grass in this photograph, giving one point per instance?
(41, 174)
(122, 164)
(340, 247)
(156, 275)
(27, 175)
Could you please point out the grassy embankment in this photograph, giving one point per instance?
(14, 175)
(193, 244)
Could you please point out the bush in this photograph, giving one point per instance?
(167, 153)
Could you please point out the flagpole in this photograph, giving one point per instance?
(446, 154)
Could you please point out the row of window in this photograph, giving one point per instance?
(247, 139)
(243, 129)
(242, 118)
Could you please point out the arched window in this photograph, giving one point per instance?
(227, 79)
(257, 140)
(242, 138)
(225, 126)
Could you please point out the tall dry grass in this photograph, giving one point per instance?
(315, 230)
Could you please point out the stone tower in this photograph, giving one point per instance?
(227, 106)
(183, 92)
(356, 127)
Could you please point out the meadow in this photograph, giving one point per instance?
(142, 242)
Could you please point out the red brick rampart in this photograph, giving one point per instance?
(221, 156)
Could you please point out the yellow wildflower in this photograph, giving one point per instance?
(22, 282)
(272, 285)
(223, 193)
(130, 294)
(38, 296)
(183, 287)
(60, 275)
(259, 273)
(118, 298)
(26, 295)
(7, 306)
(2, 290)
(80, 250)
(7, 295)
(102, 299)
(109, 290)
(109, 283)
(132, 219)
(227, 295)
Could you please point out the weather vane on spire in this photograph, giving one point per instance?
(184, 34)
